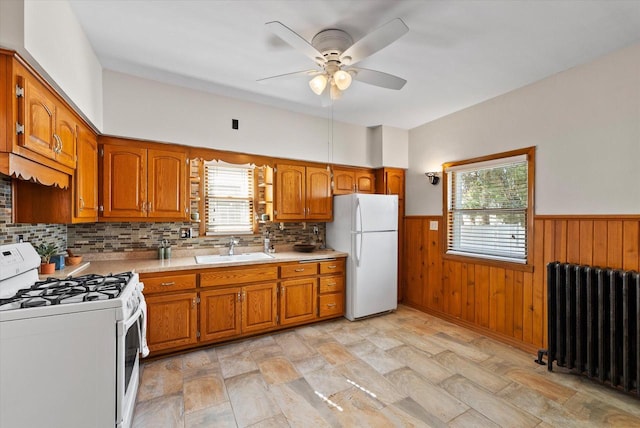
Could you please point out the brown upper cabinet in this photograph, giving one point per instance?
(143, 180)
(351, 180)
(35, 203)
(302, 193)
(85, 180)
(48, 126)
(38, 128)
(390, 181)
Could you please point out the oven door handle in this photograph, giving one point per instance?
(125, 325)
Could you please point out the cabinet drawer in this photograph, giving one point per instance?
(232, 276)
(298, 269)
(331, 304)
(168, 283)
(331, 284)
(332, 266)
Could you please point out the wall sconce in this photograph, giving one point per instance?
(434, 177)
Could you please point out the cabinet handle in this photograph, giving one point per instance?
(300, 270)
(244, 295)
(81, 203)
(143, 206)
(56, 143)
(239, 297)
(331, 305)
(193, 303)
(332, 267)
(331, 284)
(167, 284)
(47, 109)
(282, 290)
(149, 206)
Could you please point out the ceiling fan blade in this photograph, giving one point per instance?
(295, 74)
(374, 41)
(295, 40)
(378, 78)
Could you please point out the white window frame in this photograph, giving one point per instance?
(238, 196)
(460, 245)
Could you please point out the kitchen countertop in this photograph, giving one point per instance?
(103, 267)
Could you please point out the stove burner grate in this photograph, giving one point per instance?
(54, 291)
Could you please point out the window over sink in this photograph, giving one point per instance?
(229, 198)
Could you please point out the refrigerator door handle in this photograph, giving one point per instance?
(358, 252)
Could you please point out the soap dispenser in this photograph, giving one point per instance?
(267, 241)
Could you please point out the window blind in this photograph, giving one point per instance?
(488, 209)
(229, 198)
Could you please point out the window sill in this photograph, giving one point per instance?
(522, 267)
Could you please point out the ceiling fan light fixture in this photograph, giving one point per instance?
(342, 79)
(318, 83)
(335, 93)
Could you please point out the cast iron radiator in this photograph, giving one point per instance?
(593, 323)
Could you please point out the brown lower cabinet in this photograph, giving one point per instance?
(191, 308)
(298, 300)
(174, 320)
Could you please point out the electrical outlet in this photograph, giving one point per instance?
(185, 232)
(433, 225)
(315, 230)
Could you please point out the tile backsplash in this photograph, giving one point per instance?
(135, 236)
(34, 233)
(116, 237)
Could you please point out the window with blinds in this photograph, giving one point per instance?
(228, 198)
(488, 208)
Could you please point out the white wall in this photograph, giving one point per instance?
(395, 147)
(55, 40)
(12, 24)
(585, 123)
(146, 109)
(48, 36)
(389, 146)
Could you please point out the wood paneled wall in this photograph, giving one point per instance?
(505, 303)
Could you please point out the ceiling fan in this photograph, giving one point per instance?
(335, 53)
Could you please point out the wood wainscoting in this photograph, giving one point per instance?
(510, 304)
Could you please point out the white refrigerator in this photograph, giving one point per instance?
(366, 227)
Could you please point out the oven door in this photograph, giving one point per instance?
(128, 367)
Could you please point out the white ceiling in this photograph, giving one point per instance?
(456, 54)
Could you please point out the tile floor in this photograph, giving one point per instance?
(405, 369)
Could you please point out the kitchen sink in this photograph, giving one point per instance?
(234, 258)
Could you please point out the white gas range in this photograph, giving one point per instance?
(70, 346)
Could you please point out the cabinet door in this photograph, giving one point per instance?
(365, 182)
(220, 313)
(171, 321)
(395, 183)
(290, 193)
(319, 201)
(66, 136)
(343, 181)
(167, 178)
(86, 176)
(124, 185)
(259, 307)
(38, 118)
(298, 300)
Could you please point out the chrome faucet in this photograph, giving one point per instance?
(233, 241)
